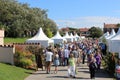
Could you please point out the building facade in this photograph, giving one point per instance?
(109, 27)
(84, 32)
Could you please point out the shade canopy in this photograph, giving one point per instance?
(41, 38)
(76, 37)
(115, 42)
(112, 34)
(82, 37)
(67, 37)
(58, 38)
(107, 34)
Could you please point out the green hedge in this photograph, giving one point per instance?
(109, 62)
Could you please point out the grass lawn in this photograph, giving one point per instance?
(14, 40)
(8, 72)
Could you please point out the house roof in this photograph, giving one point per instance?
(65, 29)
(110, 26)
(84, 29)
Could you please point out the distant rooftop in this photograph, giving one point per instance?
(110, 25)
(84, 29)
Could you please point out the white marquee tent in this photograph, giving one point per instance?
(67, 37)
(107, 34)
(72, 37)
(58, 38)
(103, 35)
(115, 42)
(82, 37)
(112, 34)
(77, 37)
(41, 38)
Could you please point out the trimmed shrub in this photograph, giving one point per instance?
(109, 63)
(25, 63)
(24, 58)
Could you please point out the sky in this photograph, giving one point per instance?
(79, 13)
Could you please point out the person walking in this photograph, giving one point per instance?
(49, 55)
(56, 62)
(71, 66)
(98, 58)
(61, 56)
(66, 56)
(92, 66)
(83, 56)
(76, 55)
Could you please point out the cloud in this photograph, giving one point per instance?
(88, 21)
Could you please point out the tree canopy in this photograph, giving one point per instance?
(118, 25)
(20, 20)
(95, 32)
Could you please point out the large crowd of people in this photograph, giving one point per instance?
(72, 54)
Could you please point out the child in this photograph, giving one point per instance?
(71, 66)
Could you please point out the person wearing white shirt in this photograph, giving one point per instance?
(48, 58)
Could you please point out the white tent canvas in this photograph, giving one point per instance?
(67, 37)
(58, 38)
(103, 36)
(41, 38)
(76, 37)
(72, 37)
(115, 42)
(109, 37)
(111, 34)
(82, 37)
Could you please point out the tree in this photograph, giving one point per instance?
(95, 32)
(118, 25)
(48, 32)
(20, 20)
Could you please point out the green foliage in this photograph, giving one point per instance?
(35, 50)
(109, 63)
(20, 20)
(51, 25)
(48, 33)
(62, 33)
(95, 32)
(8, 72)
(39, 55)
(104, 40)
(2, 26)
(25, 63)
(118, 25)
(24, 58)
